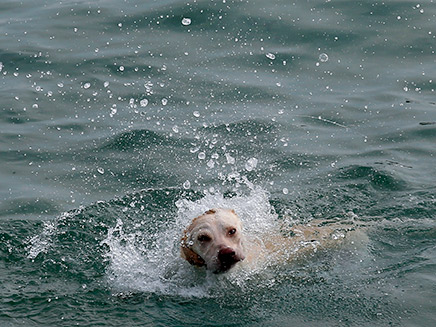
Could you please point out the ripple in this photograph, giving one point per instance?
(28, 206)
(377, 178)
(137, 139)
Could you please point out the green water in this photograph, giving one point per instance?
(122, 120)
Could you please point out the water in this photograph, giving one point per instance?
(120, 121)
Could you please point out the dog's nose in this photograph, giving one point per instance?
(226, 252)
(227, 256)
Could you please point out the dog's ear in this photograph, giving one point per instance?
(189, 255)
(192, 257)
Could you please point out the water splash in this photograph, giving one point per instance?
(44, 241)
(155, 266)
(135, 242)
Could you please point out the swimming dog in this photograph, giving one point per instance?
(215, 240)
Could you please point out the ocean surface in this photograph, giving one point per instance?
(120, 121)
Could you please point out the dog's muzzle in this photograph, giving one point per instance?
(227, 258)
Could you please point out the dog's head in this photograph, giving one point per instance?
(214, 240)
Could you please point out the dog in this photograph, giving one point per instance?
(215, 240)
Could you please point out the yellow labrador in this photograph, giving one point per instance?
(215, 240)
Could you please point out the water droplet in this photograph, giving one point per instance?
(271, 56)
(211, 164)
(323, 57)
(251, 164)
(35, 106)
(60, 84)
(202, 156)
(186, 21)
(86, 85)
(113, 112)
(100, 170)
(175, 129)
(106, 84)
(143, 103)
(121, 68)
(164, 101)
(196, 114)
(148, 87)
(285, 191)
(230, 159)
(187, 184)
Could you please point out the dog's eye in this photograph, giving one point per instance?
(232, 231)
(204, 238)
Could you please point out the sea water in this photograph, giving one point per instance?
(122, 121)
